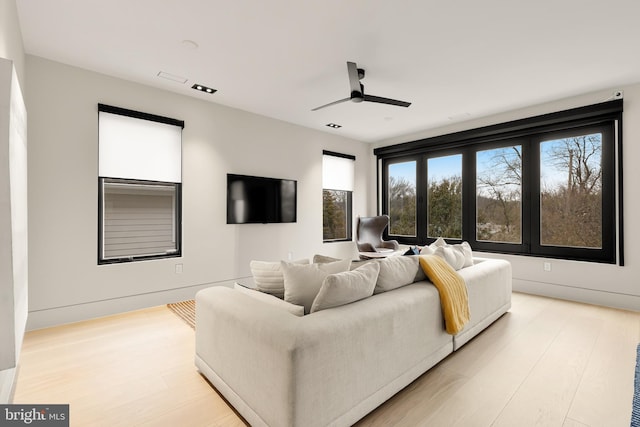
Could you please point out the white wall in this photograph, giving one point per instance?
(13, 262)
(594, 283)
(11, 46)
(66, 284)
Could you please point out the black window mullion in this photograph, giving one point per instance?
(533, 196)
(469, 200)
(421, 200)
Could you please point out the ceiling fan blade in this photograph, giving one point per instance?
(331, 103)
(381, 100)
(354, 80)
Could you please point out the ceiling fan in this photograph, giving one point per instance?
(357, 90)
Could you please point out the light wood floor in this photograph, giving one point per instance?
(545, 363)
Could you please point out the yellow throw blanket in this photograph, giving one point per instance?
(453, 291)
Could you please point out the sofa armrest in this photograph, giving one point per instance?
(250, 346)
(489, 288)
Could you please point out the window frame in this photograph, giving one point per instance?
(421, 221)
(137, 182)
(607, 252)
(469, 222)
(348, 217)
(349, 200)
(528, 133)
(101, 260)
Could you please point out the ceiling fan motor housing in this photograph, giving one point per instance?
(356, 96)
(357, 90)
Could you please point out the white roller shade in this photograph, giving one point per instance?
(338, 173)
(134, 148)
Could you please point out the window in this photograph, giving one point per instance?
(544, 186)
(139, 218)
(401, 199)
(499, 194)
(571, 191)
(139, 180)
(444, 197)
(338, 176)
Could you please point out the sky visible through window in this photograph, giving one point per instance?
(553, 176)
(405, 170)
(447, 166)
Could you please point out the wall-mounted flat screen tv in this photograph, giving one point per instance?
(260, 200)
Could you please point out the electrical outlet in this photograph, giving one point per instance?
(290, 256)
(546, 266)
(178, 268)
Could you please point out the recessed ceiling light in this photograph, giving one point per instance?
(203, 88)
(333, 125)
(172, 77)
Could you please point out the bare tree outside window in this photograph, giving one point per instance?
(499, 195)
(571, 191)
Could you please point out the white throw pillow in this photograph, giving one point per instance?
(465, 248)
(344, 288)
(302, 282)
(462, 250)
(395, 272)
(296, 310)
(268, 276)
(453, 257)
(426, 250)
(440, 242)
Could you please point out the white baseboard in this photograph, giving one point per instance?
(74, 313)
(589, 296)
(46, 318)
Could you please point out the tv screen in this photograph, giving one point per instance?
(260, 200)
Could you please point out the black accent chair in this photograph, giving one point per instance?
(369, 235)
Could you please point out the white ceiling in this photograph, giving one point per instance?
(454, 60)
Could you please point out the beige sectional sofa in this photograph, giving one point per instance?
(332, 367)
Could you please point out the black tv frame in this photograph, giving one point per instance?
(263, 196)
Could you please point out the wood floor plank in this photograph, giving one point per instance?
(544, 397)
(605, 393)
(546, 362)
(493, 385)
(423, 396)
(573, 423)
